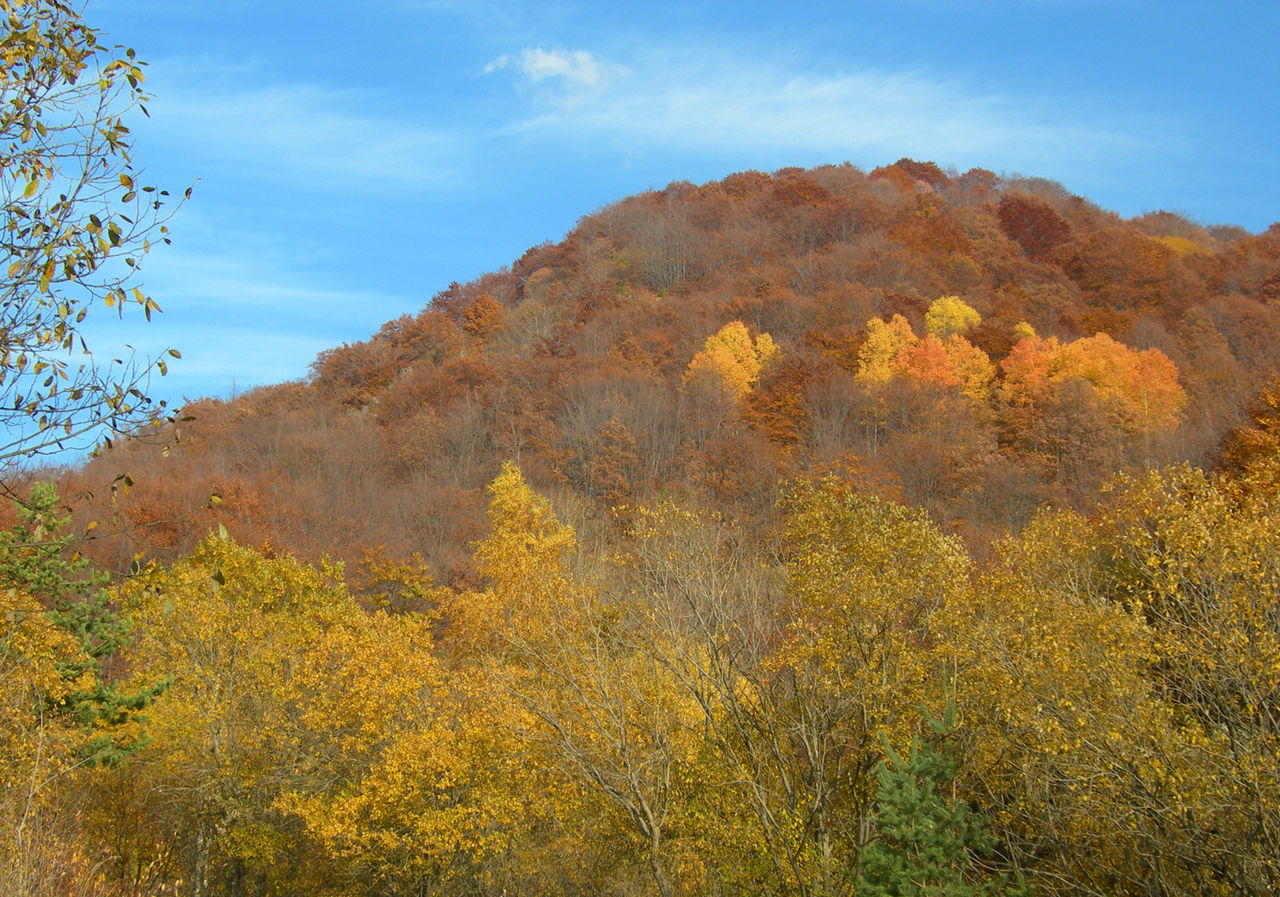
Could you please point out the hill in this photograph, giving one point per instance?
(972, 344)
(692, 637)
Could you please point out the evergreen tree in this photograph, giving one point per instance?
(37, 557)
(926, 841)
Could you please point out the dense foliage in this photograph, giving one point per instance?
(648, 564)
(969, 344)
(689, 711)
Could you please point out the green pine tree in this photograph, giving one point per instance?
(37, 557)
(926, 841)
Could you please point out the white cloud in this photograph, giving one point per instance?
(575, 69)
(713, 101)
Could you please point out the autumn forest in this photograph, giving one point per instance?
(817, 533)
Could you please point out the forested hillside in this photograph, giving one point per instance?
(819, 533)
(972, 345)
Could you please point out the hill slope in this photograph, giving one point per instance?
(714, 340)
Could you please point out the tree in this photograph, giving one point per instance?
(1198, 560)
(409, 776)
(75, 226)
(36, 558)
(731, 360)
(483, 317)
(948, 315)
(1251, 444)
(950, 364)
(942, 357)
(1081, 407)
(795, 682)
(866, 577)
(925, 840)
(883, 343)
(711, 625)
(35, 757)
(1059, 729)
(588, 702)
(1115, 676)
(236, 628)
(1033, 224)
(612, 471)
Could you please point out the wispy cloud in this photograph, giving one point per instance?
(297, 131)
(702, 99)
(254, 281)
(238, 316)
(574, 69)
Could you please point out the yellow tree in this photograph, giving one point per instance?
(949, 315)
(942, 357)
(38, 764)
(972, 366)
(232, 627)
(76, 226)
(406, 774)
(524, 557)
(731, 360)
(882, 344)
(1117, 678)
(304, 744)
(796, 671)
(587, 702)
(866, 578)
(1199, 562)
(1057, 724)
(713, 615)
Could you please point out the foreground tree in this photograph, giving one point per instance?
(596, 711)
(62, 714)
(36, 758)
(406, 773)
(37, 558)
(75, 225)
(1116, 678)
(795, 670)
(927, 844)
(236, 629)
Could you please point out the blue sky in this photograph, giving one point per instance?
(352, 159)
